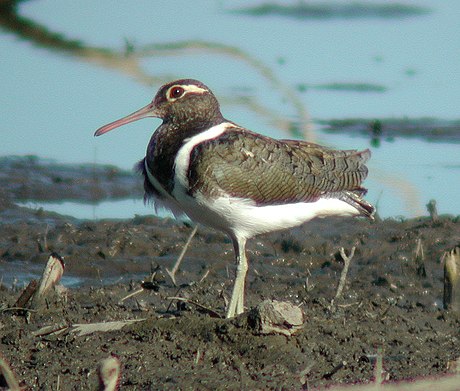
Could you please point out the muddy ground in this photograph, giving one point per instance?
(392, 301)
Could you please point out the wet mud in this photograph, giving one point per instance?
(391, 307)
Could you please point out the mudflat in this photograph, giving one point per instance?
(391, 307)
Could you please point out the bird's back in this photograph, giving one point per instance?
(244, 164)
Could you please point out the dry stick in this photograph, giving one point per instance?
(172, 273)
(343, 275)
(26, 294)
(52, 274)
(432, 210)
(208, 310)
(452, 280)
(25, 309)
(171, 302)
(204, 276)
(152, 277)
(420, 258)
(378, 368)
(132, 294)
(197, 356)
(8, 375)
(419, 254)
(334, 370)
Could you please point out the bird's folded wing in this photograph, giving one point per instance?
(270, 172)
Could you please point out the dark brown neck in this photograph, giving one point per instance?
(166, 142)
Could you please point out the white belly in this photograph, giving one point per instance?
(236, 216)
(244, 219)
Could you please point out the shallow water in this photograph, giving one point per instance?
(119, 209)
(268, 71)
(399, 183)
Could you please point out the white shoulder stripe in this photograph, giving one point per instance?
(182, 161)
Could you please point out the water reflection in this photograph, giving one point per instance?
(354, 10)
(109, 209)
(352, 70)
(129, 62)
(427, 129)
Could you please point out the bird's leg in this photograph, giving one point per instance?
(173, 271)
(236, 306)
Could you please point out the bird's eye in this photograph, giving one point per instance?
(176, 92)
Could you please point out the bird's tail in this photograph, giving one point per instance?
(354, 198)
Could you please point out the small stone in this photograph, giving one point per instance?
(276, 317)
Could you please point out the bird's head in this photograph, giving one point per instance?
(186, 102)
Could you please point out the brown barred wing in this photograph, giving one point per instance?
(244, 164)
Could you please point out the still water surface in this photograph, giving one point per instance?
(268, 71)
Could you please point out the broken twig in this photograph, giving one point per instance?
(343, 275)
(420, 258)
(26, 295)
(172, 273)
(432, 210)
(210, 311)
(8, 375)
(51, 276)
(452, 280)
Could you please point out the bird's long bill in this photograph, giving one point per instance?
(147, 111)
